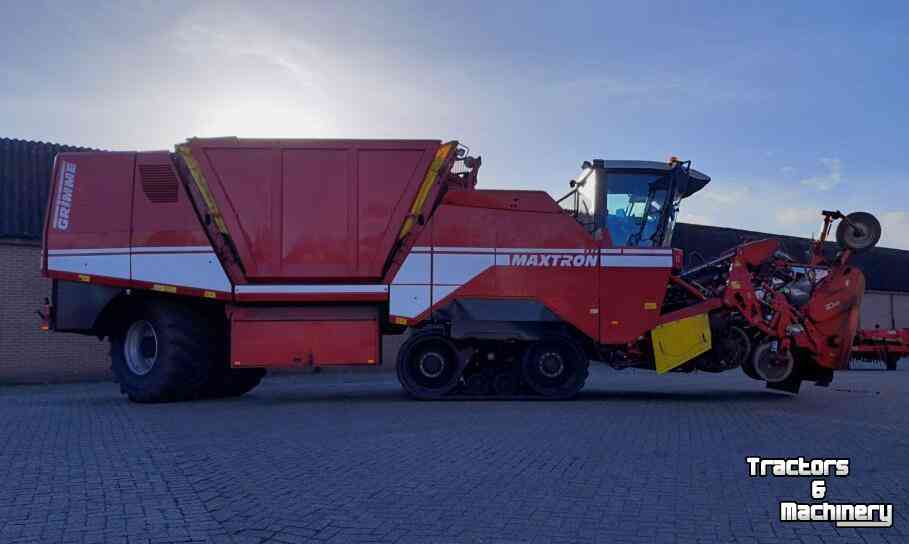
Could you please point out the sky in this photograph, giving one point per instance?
(789, 107)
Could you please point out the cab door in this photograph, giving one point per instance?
(633, 274)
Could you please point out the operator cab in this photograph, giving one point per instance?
(636, 202)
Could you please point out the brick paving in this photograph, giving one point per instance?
(344, 458)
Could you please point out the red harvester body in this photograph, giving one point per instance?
(304, 252)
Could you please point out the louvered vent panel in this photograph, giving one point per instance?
(158, 182)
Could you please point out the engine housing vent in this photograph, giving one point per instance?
(159, 182)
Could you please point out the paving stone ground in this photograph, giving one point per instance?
(339, 458)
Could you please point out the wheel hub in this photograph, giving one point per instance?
(775, 366)
(554, 367)
(431, 364)
(141, 347)
(551, 365)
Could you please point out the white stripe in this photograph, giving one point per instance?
(451, 269)
(442, 249)
(544, 250)
(636, 251)
(197, 270)
(112, 266)
(611, 251)
(636, 261)
(312, 289)
(173, 249)
(86, 251)
(143, 249)
(459, 249)
(421, 249)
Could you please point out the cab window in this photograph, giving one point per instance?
(634, 208)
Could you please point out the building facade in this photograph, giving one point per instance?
(27, 354)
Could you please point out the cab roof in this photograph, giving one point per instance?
(696, 180)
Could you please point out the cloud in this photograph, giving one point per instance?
(696, 218)
(828, 181)
(895, 227)
(259, 44)
(729, 196)
(793, 217)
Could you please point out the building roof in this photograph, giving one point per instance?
(885, 269)
(25, 172)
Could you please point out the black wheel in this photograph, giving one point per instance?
(862, 231)
(428, 366)
(748, 363)
(772, 366)
(162, 351)
(749, 370)
(733, 348)
(891, 361)
(555, 367)
(224, 380)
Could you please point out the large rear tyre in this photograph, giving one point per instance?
(161, 350)
(428, 366)
(891, 361)
(555, 367)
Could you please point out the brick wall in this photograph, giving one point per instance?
(28, 355)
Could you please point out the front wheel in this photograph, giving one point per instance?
(892, 359)
(555, 367)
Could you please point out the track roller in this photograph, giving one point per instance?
(428, 366)
(555, 367)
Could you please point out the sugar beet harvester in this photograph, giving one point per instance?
(206, 266)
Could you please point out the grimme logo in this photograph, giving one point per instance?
(549, 259)
(840, 514)
(64, 200)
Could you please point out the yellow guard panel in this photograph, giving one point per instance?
(679, 341)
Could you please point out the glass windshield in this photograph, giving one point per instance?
(637, 206)
(581, 201)
(636, 213)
